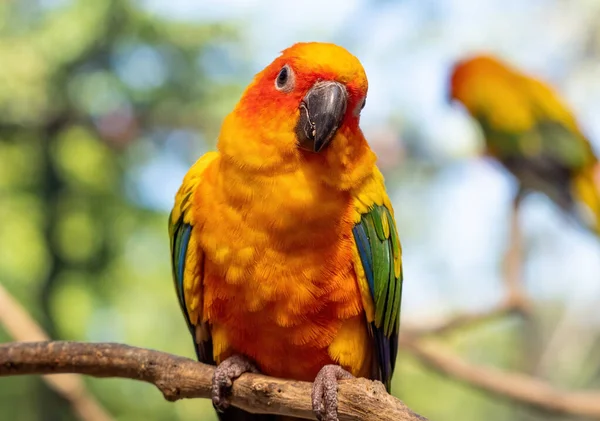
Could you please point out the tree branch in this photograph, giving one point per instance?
(178, 378)
(515, 386)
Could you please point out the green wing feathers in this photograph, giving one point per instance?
(187, 263)
(379, 250)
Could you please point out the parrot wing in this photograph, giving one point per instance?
(378, 264)
(187, 260)
(559, 134)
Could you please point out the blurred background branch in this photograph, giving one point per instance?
(461, 322)
(515, 386)
(23, 328)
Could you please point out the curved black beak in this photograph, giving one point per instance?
(321, 113)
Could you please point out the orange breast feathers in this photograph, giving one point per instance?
(279, 276)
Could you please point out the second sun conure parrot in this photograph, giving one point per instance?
(285, 254)
(532, 133)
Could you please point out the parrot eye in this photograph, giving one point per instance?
(285, 79)
(360, 106)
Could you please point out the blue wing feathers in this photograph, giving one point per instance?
(185, 238)
(364, 251)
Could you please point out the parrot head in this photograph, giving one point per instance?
(473, 78)
(306, 104)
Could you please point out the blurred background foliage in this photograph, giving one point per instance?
(104, 105)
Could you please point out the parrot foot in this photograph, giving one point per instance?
(324, 392)
(225, 373)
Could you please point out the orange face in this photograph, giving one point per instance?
(302, 101)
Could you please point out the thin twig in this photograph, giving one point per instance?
(20, 326)
(463, 321)
(513, 261)
(515, 302)
(178, 378)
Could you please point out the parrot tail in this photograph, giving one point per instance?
(586, 191)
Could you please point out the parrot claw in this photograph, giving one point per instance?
(324, 392)
(223, 377)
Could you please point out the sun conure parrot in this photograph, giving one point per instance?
(285, 253)
(532, 133)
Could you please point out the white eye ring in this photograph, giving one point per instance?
(360, 106)
(285, 80)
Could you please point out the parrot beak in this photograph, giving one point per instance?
(321, 113)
